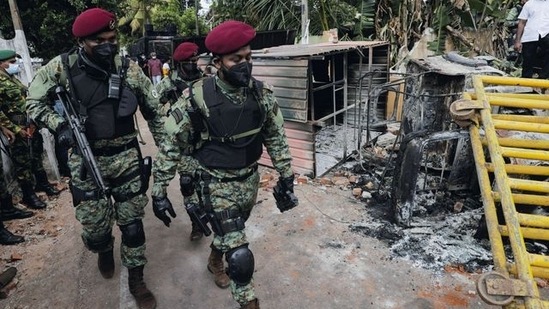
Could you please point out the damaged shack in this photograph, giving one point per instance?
(322, 86)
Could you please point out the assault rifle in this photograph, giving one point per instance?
(82, 143)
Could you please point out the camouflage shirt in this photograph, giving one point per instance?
(177, 144)
(48, 77)
(12, 102)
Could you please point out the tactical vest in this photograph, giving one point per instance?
(230, 132)
(103, 117)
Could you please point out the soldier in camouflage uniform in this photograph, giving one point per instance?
(171, 88)
(6, 237)
(186, 57)
(27, 149)
(106, 91)
(239, 115)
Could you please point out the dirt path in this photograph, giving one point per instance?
(308, 257)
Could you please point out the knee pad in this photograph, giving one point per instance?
(133, 234)
(241, 265)
(99, 244)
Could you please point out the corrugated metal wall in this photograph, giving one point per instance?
(290, 79)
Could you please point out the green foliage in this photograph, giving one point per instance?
(286, 14)
(47, 23)
(222, 10)
(364, 25)
(173, 13)
(440, 20)
(187, 25)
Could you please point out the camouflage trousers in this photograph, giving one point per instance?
(3, 184)
(242, 196)
(26, 155)
(98, 216)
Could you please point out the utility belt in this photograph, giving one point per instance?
(114, 150)
(144, 172)
(204, 175)
(222, 222)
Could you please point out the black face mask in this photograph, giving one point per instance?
(190, 71)
(104, 54)
(238, 75)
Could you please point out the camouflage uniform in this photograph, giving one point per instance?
(239, 195)
(168, 93)
(121, 171)
(3, 185)
(14, 117)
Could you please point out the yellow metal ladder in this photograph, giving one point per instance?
(497, 138)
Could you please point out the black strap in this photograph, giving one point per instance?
(72, 92)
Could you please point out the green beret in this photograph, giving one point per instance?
(6, 54)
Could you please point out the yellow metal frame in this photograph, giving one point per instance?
(512, 186)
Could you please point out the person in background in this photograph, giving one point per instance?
(27, 148)
(511, 22)
(155, 69)
(533, 34)
(166, 69)
(107, 90)
(170, 90)
(8, 211)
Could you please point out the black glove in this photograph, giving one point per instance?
(64, 135)
(287, 183)
(160, 206)
(284, 195)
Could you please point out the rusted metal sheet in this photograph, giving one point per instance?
(308, 50)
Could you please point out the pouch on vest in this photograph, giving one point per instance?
(128, 103)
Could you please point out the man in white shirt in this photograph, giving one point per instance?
(532, 31)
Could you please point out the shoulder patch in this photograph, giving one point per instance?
(177, 115)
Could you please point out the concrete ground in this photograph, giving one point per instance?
(305, 258)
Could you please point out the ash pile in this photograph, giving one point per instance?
(417, 175)
(444, 227)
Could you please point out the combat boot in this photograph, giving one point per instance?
(145, 298)
(216, 267)
(43, 184)
(7, 238)
(253, 304)
(196, 232)
(105, 263)
(30, 198)
(10, 212)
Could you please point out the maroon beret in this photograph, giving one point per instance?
(185, 51)
(93, 21)
(229, 36)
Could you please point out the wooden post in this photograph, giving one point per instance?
(20, 42)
